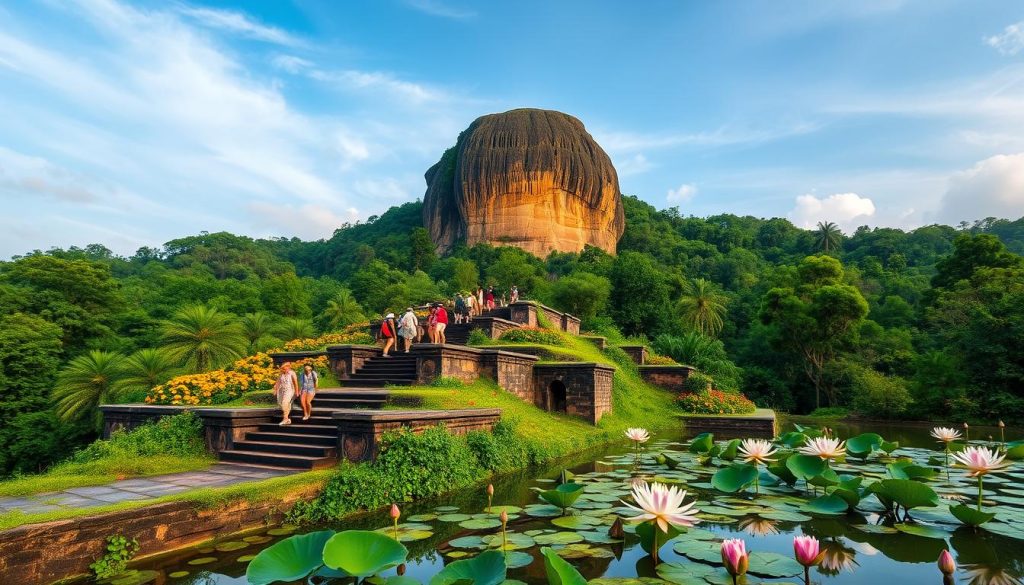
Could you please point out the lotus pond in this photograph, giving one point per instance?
(885, 510)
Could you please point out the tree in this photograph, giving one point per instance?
(815, 319)
(971, 253)
(295, 328)
(258, 329)
(422, 248)
(704, 353)
(342, 310)
(702, 307)
(86, 382)
(828, 237)
(513, 268)
(203, 338)
(639, 299)
(581, 293)
(147, 368)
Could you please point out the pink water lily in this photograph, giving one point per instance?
(979, 460)
(808, 553)
(945, 434)
(756, 450)
(824, 447)
(637, 435)
(734, 557)
(663, 505)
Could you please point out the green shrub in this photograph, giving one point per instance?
(502, 449)
(179, 435)
(697, 382)
(477, 337)
(409, 467)
(880, 396)
(115, 559)
(532, 335)
(715, 402)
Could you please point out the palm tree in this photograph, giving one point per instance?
(702, 307)
(203, 337)
(147, 368)
(342, 310)
(828, 237)
(258, 329)
(86, 382)
(295, 328)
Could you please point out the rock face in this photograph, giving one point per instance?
(528, 178)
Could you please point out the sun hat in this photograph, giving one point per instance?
(389, 316)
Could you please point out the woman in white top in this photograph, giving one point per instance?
(284, 391)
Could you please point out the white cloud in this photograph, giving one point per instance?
(239, 23)
(848, 210)
(386, 83)
(438, 8)
(628, 141)
(683, 194)
(32, 176)
(634, 165)
(993, 187)
(291, 63)
(1008, 42)
(308, 222)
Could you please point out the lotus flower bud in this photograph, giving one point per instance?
(966, 426)
(400, 569)
(616, 531)
(1002, 425)
(490, 489)
(734, 556)
(503, 517)
(395, 512)
(946, 563)
(807, 549)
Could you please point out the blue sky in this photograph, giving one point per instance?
(132, 123)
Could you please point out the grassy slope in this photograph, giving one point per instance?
(635, 403)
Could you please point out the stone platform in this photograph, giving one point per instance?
(761, 424)
(360, 430)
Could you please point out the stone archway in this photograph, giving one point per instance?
(557, 396)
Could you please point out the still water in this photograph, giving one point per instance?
(861, 547)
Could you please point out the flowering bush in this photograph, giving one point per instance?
(357, 334)
(715, 402)
(654, 359)
(531, 335)
(256, 372)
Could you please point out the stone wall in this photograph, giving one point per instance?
(221, 426)
(525, 313)
(512, 371)
(493, 327)
(637, 353)
(670, 378)
(360, 431)
(587, 388)
(598, 341)
(280, 358)
(344, 360)
(761, 424)
(50, 551)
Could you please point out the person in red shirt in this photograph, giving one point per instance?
(489, 298)
(441, 323)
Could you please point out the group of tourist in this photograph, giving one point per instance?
(473, 304)
(408, 327)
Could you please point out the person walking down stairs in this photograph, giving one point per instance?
(284, 391)
(408, 328)
(309, 380)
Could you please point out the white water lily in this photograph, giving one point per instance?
(945, 434)
(824, 447)
(637, 435)
(756, 450)
(662, 504)
(979, 460)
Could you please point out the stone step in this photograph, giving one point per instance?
(269, 437)
(278, 459)
(380, 381)
(285, 448)
(304, 429)
(336, 403)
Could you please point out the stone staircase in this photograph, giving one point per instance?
(458, 334)
(313, 443)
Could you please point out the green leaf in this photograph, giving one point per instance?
(851, 497)
(702, 443)
(907, 493)
(970, 515)
(827, 478)
(734, 478)
(729, 452)
(559, 571)
(806, 466)
(793, 439)
(684, 573)
(1015, 450)
(647, 531)
(862, 445)
(291, 559)
(889, 447)
(670, 462)
(830, 505)
(781, 471)
(487, 568)
(923, 530)
(774, 565)
(362, 553)
(564, 495)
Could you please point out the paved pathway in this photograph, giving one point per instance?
(143, 488)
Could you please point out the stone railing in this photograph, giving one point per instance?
(509, 369)
(345, 360)
(360, 431)
(525, 313)
(669, 377)
(637, 353)
(221, 426)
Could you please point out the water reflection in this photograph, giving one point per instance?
(756, 526)
(988, 575)
(837, 558)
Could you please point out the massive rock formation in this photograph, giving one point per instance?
(528, 178)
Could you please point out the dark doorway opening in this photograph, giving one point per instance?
(556, 396)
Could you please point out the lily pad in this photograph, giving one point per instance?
(734, 478)
(769, 564)
(361, 553)
(487, 568)
(970, 516)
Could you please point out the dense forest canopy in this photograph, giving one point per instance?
(886, 322)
